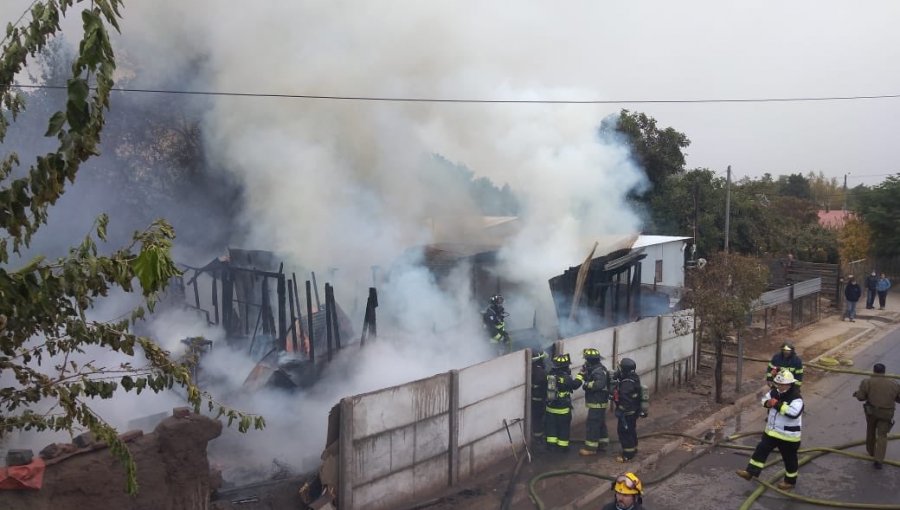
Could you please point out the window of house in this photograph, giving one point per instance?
(658, 276)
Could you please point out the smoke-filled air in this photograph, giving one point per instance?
(342, 186)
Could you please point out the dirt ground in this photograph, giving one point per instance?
(675, 410)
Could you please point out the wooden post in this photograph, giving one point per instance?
(196, 289)
(309, 320)
(293, 328)
(282, 314)
(328, 333)
(215, 299)
(227, 300)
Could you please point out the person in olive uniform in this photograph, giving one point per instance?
(880, 396)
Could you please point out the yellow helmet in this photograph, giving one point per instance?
(591, 354)
(628, 483)
(562, 360)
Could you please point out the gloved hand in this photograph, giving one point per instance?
(770, 403)
(643, 414)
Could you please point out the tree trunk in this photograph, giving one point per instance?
(718, 375)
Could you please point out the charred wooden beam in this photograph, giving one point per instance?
(316, 289)
(309, 318)
(282, 314)
(293, 328)
(328, 331)
(215, 299)
(227, 300)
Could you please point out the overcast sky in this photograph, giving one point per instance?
(655, 50)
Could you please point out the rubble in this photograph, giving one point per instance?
(172, 471)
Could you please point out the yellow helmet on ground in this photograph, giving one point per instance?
(628, 483)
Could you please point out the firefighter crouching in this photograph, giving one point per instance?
(558, 412)
(631, 400)
(595, 379)
(783, 425)
(494, 321)
(538, 392)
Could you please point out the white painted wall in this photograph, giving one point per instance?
(672, 255)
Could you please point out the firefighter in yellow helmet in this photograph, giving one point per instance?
(558, 413)
(629, 493)
(596, 381)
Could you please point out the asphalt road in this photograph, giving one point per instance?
(832, 417)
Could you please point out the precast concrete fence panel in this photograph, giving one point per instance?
(489, 393)
(400, 441)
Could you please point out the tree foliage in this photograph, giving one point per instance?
(44, 304)
(854, 240)
(657, 151)
(878, 206)
(722, 294)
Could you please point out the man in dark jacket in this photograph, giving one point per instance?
(871, 283)
(538, 392)
(881, 395)
(852, 293)
(595, 377)
(786, 359)
(558, 412)
(627, 397)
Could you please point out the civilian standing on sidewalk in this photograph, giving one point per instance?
(871, 282)
(881, 395)
(882, 287)
(852, 293)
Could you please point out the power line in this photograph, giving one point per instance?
(479, 101)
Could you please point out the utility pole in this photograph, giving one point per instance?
(845, 192)
(727, 207)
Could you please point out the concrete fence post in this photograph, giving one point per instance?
(527, 415)
(658, 362)
(345, 455)
(615, 349)
(453, 443)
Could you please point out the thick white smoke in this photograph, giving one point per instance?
(332, 183)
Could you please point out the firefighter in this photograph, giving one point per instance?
(786, 359)
(558, 412)
(538, 392)
(880, 396)
(595, 379)
(494, 322)
(629, 493)
(782, 431)
(627, 396)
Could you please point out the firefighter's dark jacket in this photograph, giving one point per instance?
(596, 385)
(881, 393)
(792, 363)
(565, 385)
(627, 393)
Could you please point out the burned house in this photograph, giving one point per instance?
(262, 311)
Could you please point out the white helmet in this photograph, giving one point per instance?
(785, 377)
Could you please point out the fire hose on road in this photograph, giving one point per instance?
(812, 453)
